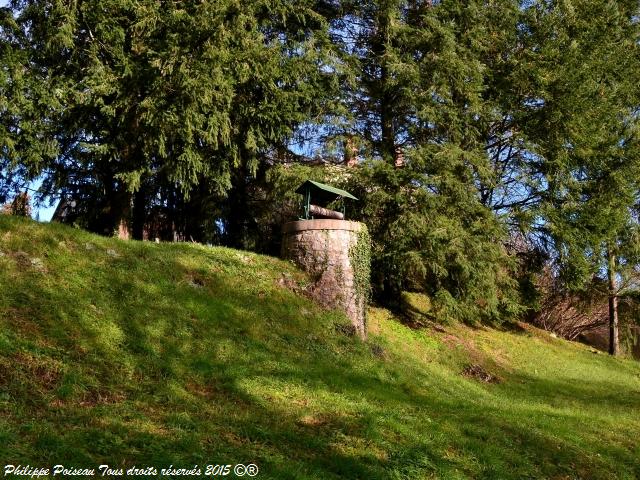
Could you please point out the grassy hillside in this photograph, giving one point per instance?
(131, 353)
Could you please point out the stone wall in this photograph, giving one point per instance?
(322, 248)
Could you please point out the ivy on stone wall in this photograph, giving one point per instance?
(360, 257)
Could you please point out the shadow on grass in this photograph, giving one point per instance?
(152, 358)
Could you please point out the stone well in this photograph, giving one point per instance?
(324, 249)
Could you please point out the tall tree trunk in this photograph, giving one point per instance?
(238, 212)
(111, 215)
(388, 147)
(121, 213)
(614, 341)
(139, 216)
(380, 48)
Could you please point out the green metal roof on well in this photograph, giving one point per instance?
(322, 192)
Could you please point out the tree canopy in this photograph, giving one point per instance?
(140, 93)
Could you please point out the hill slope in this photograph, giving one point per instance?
(131, 353)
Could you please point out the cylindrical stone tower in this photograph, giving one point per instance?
(330, 251)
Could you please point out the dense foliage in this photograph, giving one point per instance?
(477, 126)
(158, 100)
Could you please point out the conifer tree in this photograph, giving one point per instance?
(170, 94)
(26, 135)
(423, 89)
(584, 122)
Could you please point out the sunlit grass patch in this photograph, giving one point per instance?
(136, 353)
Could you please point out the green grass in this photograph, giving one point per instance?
(131, 353)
